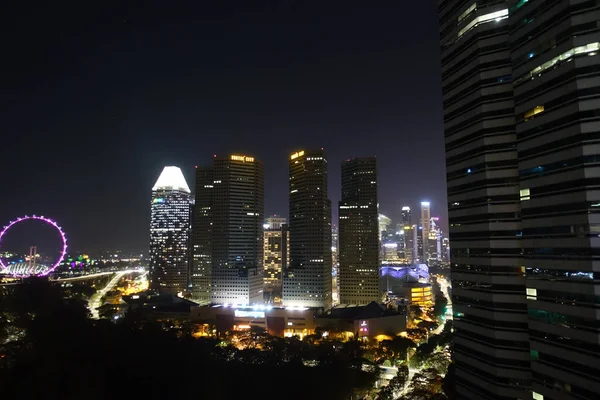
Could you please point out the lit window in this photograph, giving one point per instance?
(525, 194)
(590, 48)
(531, 294)
(537, 396)
(468, 11)
(482, 19)
(534, 111)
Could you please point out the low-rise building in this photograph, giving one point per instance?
(370, 321)
(277, 321)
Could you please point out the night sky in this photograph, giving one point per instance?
(98, 96)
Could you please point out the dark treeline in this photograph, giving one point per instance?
(51, 349)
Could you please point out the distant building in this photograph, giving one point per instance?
(274, 222)
(359, 228)
(277, 321)
(335, 268)
(369, 320)
(425, 227)
(169, 232)
(307, 281)
(202, 226)
(418, 294)
(229, 236)
(276, 257)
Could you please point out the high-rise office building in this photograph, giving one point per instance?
(170, 232)
(521, 112)
(307, 281)
(230, 210)
(406, 217)
(425, 228)
(359, 229)
(201, 270)
(276, 256)
(409, 244)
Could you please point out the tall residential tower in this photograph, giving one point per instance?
(307, 280)
(169, 232)
(359, 232)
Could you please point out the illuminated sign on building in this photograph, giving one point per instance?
(242, 158)
(296, 155)
(158, 200)
(252, 314)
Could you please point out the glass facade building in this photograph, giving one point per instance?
(228, 231)
(521, 94)
(170, 232)
(307, 282)
(359, 232)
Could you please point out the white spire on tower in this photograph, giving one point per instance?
(171, 178)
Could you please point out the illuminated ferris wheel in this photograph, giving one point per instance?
(32, 267)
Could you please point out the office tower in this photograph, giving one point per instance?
(169, 232)
(406, 217)
(520, 85)
(276, 256)
(359, 228)
(407, 227)
(416, 248)
(307, 281)
(201, 271)
(385, 224)
(491, 348)
(425, 228)
(445, 250)
(556, 89)
(230, 235)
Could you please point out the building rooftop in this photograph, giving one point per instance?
(171, 178)
(371, 310)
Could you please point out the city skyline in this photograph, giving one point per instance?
(103, 130)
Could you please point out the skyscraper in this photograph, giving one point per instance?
(307, 281)
(521, 113)
(359, 231)
(425, 228)
(169, 232)
(230, 232)
(407, 227)
(201, 271)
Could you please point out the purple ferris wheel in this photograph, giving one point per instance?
(31, 268)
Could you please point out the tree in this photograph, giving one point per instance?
(395, 350)
(439, 307)
(438, 361)
(427, 325)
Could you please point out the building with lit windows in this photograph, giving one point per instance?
(169, 232)
(276, 257)
(307, 281)
(201, 269)
(406, 228)
(230, 234)
(359, 228)
(335, 267)
(522, 122)
(425, 228)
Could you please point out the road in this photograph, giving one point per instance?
(444, 285)
(94, 301)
